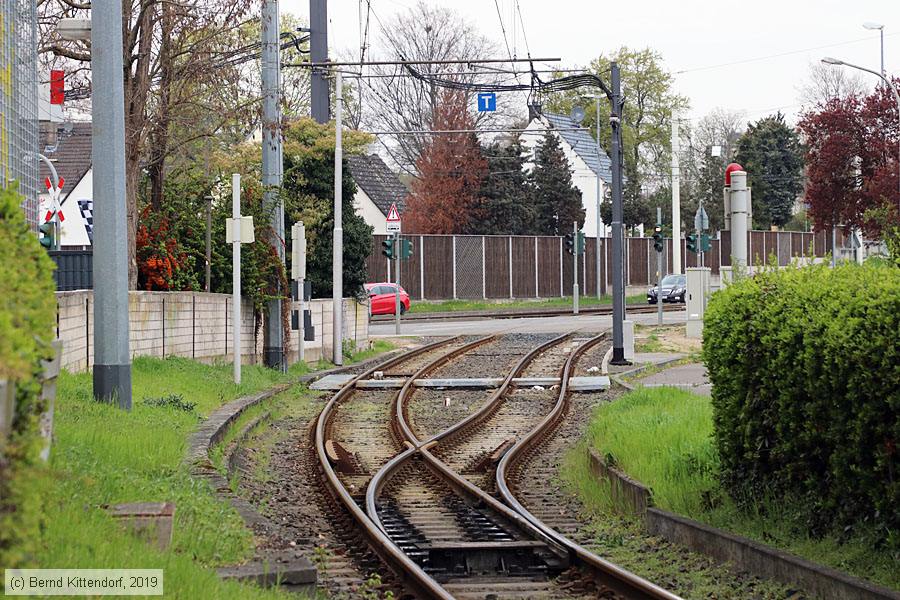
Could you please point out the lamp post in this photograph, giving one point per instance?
(837, 62)
(597, 97)
(880, 28)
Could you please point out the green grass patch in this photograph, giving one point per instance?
(102, 456)
(476, 305)
(663, 438)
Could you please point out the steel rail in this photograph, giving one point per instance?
(461, 485)
(613, 576)
(411, 573)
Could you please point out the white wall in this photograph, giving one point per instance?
(369, 212)
(583, 177)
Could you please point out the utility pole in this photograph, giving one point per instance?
(575, 268)
(273, 342)
(236, 274)
(618, 231)
(599, 259)
(318, 50)
(676, 197)
(659, 270)
(209, 200)
(112, 359)
(337, 262)
(397, 260)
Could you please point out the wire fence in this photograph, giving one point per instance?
(19, 101)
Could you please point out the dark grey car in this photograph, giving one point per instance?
(673, 289)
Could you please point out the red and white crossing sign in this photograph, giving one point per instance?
(393, 219)
(55, 206)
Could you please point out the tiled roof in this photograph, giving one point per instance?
(583, 145)
(71, 157)
(378, 182)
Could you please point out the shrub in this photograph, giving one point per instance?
(805, 366)
(27, 314)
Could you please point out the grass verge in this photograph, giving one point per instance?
(476, 305)
(103, 456)
(663, 438)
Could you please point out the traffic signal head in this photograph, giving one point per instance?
(705, 243)
(570, 243)
(692, 242)
(47, 232)
(387, 248)
(580, 246)
(658, 241)
(406, 249)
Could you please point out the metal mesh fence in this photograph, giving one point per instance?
(19, 101)
(469, 266)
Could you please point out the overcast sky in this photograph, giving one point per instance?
(695, 37)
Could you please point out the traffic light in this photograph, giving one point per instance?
(580, 247)
(570, 243)
(47, 231)
(406, 249)
(692, 242)
(387, 248)
(705, 243)
(658, 242)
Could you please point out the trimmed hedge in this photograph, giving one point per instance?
(805, 366)
(27, 317)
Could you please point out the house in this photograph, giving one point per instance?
(586, 164)
(377, 188)
(68, 146)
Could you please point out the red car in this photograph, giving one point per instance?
(382, 298)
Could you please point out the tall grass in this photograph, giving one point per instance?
(102, 455)
(663, 438)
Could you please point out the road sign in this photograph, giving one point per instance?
(393, 219)
(701, 219)
(487, 102)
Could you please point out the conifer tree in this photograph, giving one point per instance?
(557, 203)
(505, 205)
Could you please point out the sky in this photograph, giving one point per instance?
(767, 47)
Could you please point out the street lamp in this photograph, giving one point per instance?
(597, 97)
(873, 26)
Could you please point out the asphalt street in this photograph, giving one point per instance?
(558, 324)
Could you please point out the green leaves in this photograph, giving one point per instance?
(805, 365)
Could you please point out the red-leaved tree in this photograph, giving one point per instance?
(852, 160)
(451, 169)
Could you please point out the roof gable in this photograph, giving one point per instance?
(582, 144)
(71, 156)
(379, 183)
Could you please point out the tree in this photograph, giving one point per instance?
(826, 82)
(646, 118)
(451, 170)
(557, 202)
(505, 204)
(772, 155)
(405, 102)
(851, 162)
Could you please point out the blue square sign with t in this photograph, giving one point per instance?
(487, 102)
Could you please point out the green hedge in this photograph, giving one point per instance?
(805, 366)
(27, 316)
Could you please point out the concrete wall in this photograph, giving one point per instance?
(193, 325)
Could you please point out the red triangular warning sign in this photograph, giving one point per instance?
(393, 213)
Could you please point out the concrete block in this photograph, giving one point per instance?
(154, 520)
(628, 339)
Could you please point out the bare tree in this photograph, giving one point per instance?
(394, 100)
(825, 82)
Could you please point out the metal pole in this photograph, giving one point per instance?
(575, 268)
(739, 219)
(337, 262)
(599, 193)
(618, 231)
(318, 48)
(659, 273)
(112, 359)
(273, 344)
(676, 197)
(301, 322)
(883, 72)
(236, 273)
(208, 242)
(397, 257)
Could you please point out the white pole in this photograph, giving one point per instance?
(338, 258)
(236, 272)
(739, 218)
(599, 194)
(574, 268)
(676, 197)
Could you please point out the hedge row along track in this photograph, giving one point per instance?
(438, 531)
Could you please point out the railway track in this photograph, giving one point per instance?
(416, 480)
(521, 313)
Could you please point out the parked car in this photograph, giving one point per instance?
(382, 298)
(673, 289)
